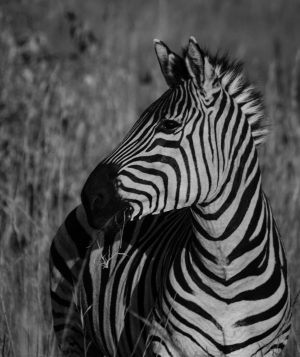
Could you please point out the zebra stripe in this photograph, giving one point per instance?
(68, 254)
(193, 264)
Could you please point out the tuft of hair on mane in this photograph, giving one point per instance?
(233, 80)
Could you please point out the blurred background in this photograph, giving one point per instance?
(74, 76)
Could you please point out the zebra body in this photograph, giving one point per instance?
(196, 267)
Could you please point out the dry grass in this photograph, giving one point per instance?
(59, 114)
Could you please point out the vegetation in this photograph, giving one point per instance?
(67, 99)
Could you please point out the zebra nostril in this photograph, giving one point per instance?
(100, 201)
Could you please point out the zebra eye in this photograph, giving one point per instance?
(168, 125)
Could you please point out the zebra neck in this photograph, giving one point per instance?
(228, 226)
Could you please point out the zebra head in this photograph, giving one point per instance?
(178, 152)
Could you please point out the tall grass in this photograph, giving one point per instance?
(61, 111)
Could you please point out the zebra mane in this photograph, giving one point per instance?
(234, 81)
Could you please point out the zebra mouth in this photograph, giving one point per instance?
(123, 216)
(101, 212)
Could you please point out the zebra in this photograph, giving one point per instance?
(180, 253)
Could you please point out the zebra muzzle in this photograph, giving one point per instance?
(100, 201)
(100, 196)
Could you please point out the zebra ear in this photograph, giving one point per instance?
(172, 66)
(198, 65)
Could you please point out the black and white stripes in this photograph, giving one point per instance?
(190, 262)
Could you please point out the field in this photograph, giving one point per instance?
(63, 107)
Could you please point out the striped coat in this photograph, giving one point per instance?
(183, 256)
